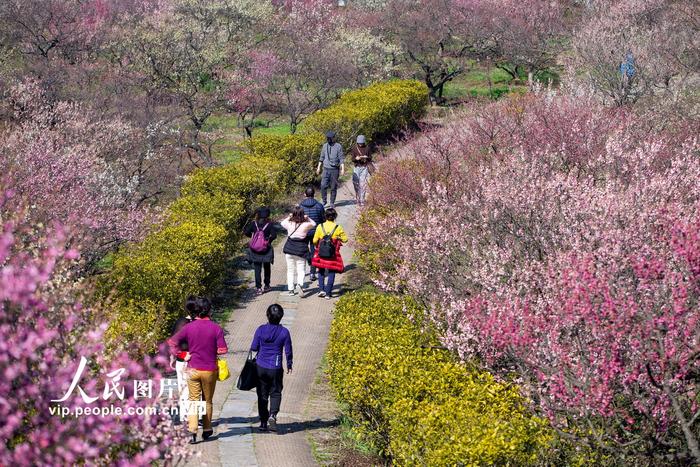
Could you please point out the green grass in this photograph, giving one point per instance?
(221, 122)
(228, 149)
(353, 440)
(105, 263)
(475, 83)
(320, 455)
(278, 129)
(227, 156)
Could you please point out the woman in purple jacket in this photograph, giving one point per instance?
(205, 341)
(269, 340)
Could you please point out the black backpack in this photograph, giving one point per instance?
(326, 247)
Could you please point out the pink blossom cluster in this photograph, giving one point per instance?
(44, 332)
(65, 163)
(559, 245)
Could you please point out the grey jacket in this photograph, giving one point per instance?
(332, 156)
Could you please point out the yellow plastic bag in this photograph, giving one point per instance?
(223, 369)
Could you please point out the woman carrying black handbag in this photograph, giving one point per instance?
(296, 249)
(269, 340)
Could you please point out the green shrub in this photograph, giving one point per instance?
(172, 263)
(136, 326)
(413, 401)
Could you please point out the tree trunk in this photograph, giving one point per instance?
(440, 89)
(513, 73)
(488, 77)
(690, 438)
(431, 87)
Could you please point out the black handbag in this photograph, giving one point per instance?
(296, 247)
(249, 374)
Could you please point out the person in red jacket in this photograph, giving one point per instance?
(328, 267)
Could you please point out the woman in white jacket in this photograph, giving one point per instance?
(296, 249)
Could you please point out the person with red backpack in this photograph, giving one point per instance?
(329, 237)
(261, 255)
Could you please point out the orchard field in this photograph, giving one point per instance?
(525, 285)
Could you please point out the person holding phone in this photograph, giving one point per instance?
(362, 158)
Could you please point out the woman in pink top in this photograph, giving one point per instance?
(296, 249)
(205, 341)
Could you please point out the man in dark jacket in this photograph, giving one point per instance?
(316, 213)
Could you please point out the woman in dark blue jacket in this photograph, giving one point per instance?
(317, 213)
(269, 340)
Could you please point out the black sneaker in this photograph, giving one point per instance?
(193, 439)
(207, 434)
(263, 428)
(272, 423)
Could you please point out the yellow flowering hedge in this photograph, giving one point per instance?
(255, 179)
(413, 401)
(153, 278)
(220, 208)
(378, 109)
(375, 110)
(298, 151)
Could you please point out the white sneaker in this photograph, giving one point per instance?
(322, 293)
(301, 289)
(291, 292)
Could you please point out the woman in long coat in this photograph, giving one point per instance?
(261, 259)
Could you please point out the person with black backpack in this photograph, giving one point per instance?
(328, 239)
(315, 211)
(261, 255)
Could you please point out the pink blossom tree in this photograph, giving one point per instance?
(250, 87)
(66, 164)
(306, 68)
(523, 36)
(551, 251)
(435, 38)
(44, 333)
(625, 50)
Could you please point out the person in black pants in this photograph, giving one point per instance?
(315, 211)
(269, 340)
(261, 260)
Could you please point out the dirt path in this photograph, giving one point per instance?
(236, 442)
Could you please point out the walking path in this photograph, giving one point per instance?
(236, 442)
